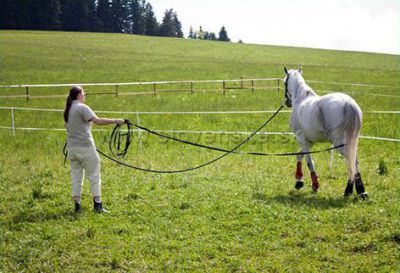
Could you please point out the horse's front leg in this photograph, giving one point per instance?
(314, 176)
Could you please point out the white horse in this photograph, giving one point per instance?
(334, 117)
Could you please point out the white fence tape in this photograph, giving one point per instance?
(361, 92)
(132, 83)
(354, 84)
(180, 113)
(182, 81)
(192, 132)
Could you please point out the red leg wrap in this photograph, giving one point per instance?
(299, 171)
(315, 183)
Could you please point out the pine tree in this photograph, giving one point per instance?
(93, 23)
(45, 14)
(104, 15)
(75, 15)
(150, 21)
(223, 35)
(178, 26)
(191, 33)
(119, 16)
(167, 28)
(15, 14)
(136, 17)
(212, 36)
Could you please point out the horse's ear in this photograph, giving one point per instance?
(300, 69)
(286, 70)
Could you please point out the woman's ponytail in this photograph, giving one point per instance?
(73, 95)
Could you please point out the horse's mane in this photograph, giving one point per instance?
(302, 90)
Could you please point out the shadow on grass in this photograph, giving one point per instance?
(302, 199)
(28, 216)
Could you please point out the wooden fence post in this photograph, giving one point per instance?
(12, 121)
(27, 93)
(139, 132)
(279, 83)
(154, 88)
(223, 87)
(191, 87)
(116, 90)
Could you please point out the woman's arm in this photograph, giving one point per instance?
(106, 121)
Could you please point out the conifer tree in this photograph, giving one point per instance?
(191, 33)
(178, 26)
(104, 15)
(151, 24)
(223, 35)
(119, 16)
(167, 28)
(136, 17)
(75, 15)
(46, 14)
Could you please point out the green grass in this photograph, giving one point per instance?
(240, 214)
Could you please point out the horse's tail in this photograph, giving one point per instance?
(351, 128)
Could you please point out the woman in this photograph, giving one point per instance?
(81, 149)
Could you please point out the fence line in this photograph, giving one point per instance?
(153, 84)
(177, 112)
(27, 87)
(369, 94)
(354, 84)
(133, 83)
(182, 81)
(191, 132)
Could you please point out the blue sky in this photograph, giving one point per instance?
(356, 25)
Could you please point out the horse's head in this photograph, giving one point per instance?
(288, 94)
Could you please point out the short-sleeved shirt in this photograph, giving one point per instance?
(79, 125)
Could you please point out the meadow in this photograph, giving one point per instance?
(241, 214)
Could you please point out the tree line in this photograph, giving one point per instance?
(117, 16)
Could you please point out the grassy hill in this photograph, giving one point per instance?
(238, 215)
(48, 57)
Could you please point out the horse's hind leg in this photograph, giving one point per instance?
(314, 176)
(359, 184)
(349, 188)
(299, 173)
(350, 183)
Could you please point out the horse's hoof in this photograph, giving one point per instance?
(315, 188)
(299, 185)
(349, 189)
(347, 194)
(364, 196)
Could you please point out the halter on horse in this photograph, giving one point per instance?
(334, 117)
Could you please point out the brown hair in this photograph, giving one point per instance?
(73, 95)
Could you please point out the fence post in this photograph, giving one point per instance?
(12, 121)
(241, 82)
(191, 87)
(223, 87)
(279, 83)
(252, 85)
(116, 90)
(27, 93)
(139, 132)
(154, 89)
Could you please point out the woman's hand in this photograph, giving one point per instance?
(119, 121)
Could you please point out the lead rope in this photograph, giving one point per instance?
(201, 165)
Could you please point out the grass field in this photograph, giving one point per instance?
(240, 214)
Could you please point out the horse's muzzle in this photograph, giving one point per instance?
(288, 102)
